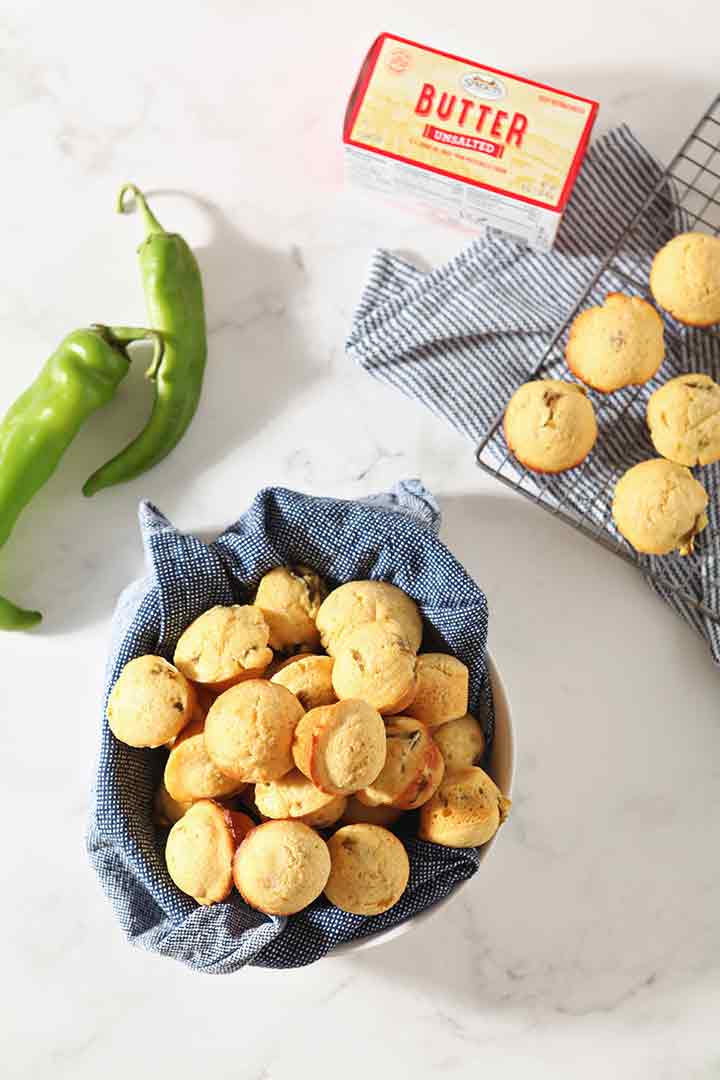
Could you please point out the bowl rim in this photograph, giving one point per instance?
(502, 769)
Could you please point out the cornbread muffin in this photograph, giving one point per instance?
(166, 810)
(281, 867)
(684, 420)
(685, 278)
(309, 678)
(150, 703)
(358, 602)
(659, 507)
(199, 852)
(370, 869)
(465, 811)
(190, 774)
(413, 767)
(249, 731)
(374, 663)
(224, 645)
(442, 689)
(550, 425)
(341, 748)
(356, 813)
(461, 742)
(294, 796)
(618, 344)
(290, 598)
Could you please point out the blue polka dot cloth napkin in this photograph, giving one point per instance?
(390, 537)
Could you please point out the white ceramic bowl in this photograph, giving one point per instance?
(501, 768)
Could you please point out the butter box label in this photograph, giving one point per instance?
(498, 133)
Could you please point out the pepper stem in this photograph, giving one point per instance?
(126, 335)
(152, 225)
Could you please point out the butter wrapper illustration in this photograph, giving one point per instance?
(477, 146)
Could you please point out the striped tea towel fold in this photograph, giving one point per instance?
(463, 337)
(391, 537)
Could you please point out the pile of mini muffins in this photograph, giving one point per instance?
(326, 750)
(550, 425)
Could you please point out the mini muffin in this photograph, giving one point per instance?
(200, 848)
(461, 742)
(442, 690)
(413, 767)
(224, 646)
(374, 663)
(550, 425)
(660, 507)
(249, 731)
(358, 602)
(190, 773)
(166, 810)
(294, 796)
(618, 344)
(289, 598)
(341, 748)
(465, 811)
(281, 867)
(356, 813)
(685, 278)
(370, 869)
(684, 420)
(150, 703)
(309, 678)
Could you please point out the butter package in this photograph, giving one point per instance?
(475, 145)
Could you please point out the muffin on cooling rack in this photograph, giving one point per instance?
(659, 507)
(685, 278)
(617, 344)
(684, 420)
(550, 425)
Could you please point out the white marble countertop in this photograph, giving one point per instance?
(588, 946)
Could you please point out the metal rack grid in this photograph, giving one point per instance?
(686, 197)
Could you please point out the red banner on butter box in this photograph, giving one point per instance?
(464, 142)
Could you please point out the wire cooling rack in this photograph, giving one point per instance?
(686, 197)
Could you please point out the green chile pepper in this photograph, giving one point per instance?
(80, 376)
(174, 298)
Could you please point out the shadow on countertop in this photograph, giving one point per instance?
(603, 884)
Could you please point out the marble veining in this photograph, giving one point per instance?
(588, 944)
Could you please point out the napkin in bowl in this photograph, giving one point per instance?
(392, 537)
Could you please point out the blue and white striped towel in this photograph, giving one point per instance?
(463, 337)
(392, 537)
